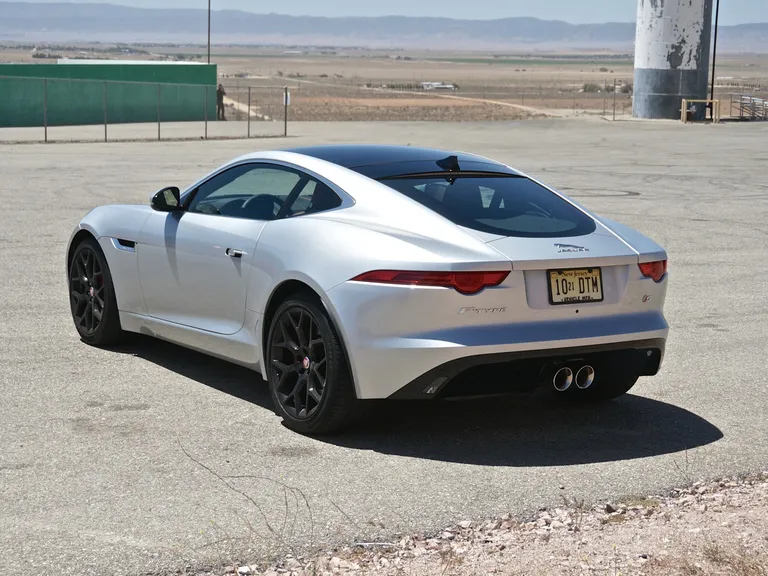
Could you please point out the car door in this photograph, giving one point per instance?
(195, 264)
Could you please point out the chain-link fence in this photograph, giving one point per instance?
(39, 109)
(53, 109)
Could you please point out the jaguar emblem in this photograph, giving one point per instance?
(570, 248)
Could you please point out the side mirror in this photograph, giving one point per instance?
(166, 200)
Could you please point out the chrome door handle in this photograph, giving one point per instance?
(234, 253)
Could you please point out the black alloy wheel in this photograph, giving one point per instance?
(86, 283)
(299, 361)
(92, 296)
(307, 369)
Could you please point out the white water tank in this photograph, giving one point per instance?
(671, 56)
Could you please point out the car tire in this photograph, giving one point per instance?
(92, 296)
(603, 389)
(309, 377)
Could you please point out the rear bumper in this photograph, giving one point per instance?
(520, 371)
(395, 335)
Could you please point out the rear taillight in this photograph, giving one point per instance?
(655, 270)
(463, 282)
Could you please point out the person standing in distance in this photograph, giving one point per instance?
(220, 93)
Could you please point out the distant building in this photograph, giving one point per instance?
(437, 86)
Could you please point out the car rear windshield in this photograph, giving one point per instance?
(497, 204)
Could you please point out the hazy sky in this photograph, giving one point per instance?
(576, 11)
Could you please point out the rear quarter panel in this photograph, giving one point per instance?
(648, 250)
(324, 252)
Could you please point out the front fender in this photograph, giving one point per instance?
(107, 224)
(80, 227)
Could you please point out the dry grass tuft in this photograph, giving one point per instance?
(640, 502)
(714, 559)
(714, 553)
(614, 519)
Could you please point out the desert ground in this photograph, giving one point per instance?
(385, 86)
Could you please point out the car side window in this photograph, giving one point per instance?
(253, 191)
(314, 197)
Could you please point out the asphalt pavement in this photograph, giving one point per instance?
(153, 458)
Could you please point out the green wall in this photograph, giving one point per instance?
(74, 94)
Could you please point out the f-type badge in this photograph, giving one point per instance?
(473, 310)
(570, 248)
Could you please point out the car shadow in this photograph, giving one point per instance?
(530, 430)
(220, 375)
(517, 430)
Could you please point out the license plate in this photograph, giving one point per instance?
(575, 286)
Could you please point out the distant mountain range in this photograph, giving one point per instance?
(57, 22)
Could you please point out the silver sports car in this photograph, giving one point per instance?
(348, 273)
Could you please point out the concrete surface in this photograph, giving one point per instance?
(97, 466)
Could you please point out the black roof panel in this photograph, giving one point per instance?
(378, 161)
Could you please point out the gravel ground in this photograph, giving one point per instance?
(711, 528)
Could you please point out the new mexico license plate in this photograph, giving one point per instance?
(575, 286)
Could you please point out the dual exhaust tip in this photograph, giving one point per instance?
(564, 378)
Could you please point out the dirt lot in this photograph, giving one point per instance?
(310, 104)
(320, 102)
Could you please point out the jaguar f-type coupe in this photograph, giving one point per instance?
(348, 273)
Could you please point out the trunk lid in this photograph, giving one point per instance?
(601, 248)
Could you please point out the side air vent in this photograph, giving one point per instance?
(125, 245)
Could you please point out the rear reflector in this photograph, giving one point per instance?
(463, 282)
(655, 270)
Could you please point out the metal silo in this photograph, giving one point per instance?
(671, 56)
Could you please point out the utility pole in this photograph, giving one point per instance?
(714, 62)
(209, 31)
